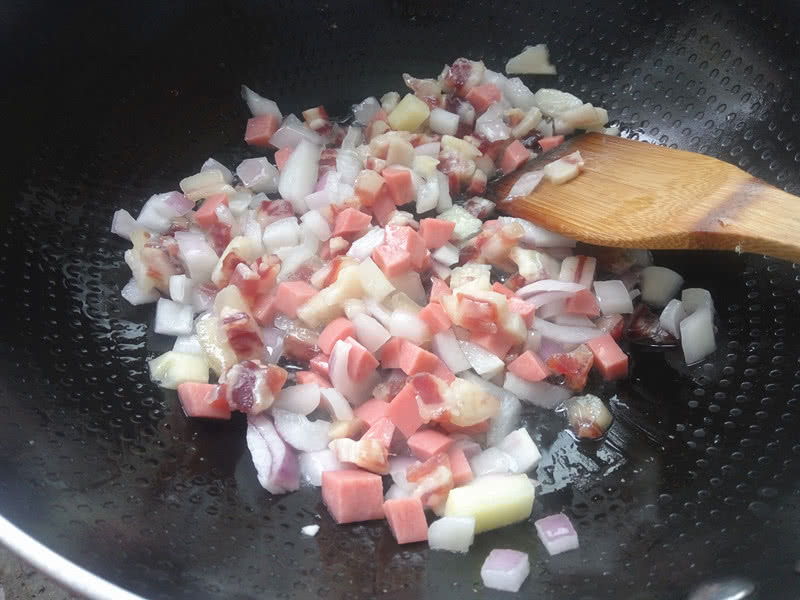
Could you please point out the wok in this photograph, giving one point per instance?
(111, 102)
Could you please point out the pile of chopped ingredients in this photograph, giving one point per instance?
(420, 332)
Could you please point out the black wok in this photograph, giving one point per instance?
(110, 102)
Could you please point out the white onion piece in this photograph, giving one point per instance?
(552, 101)
(447, 348)
(258, 105)
(490, 124)
(292, 132)
(355, 392)
(352, 138)
(494, 78)
(671, 317)
(377, 310)
(695, 298)
(573, 320)
(466, 113)
(322, 198)
(362, 248)
(371, 334)
(441, 271)
(188, 344)
(567, 335)
(258, 175)
(215, 165)
(410, 283)
(300, 433)
(613, 297)
(302, 399)
(524, 186)
(557, 533)
(395, 492)
(405, 325)
(365, 110)
(299, 174)
(533, 60)
(293, 257)
(317, 224)
(173, 318)
(314, 464)
(454, 534)
(519, 94)
(486, 364)
(545, 298)
(428, 196)
(492, 462)
(549, 285)
(505, 570)
(198, 256)
(309, 530)
(519, 446)
(539, 393)
(659, 285)
(445, 201)
(506, 421)
(354, 307)
(136, 295)
(552, 309)
(398, 467)
(336, 404)
(348, 165)
(448, 255)
(276, 464)
(488, 386)
(468, 447)
(429, 149)
(538, 236)
(159, 210)
(180, 289)
(273, 344)
(697, 335)
(284, 233)
(239, 203)
(204, 184)
(443, 122)
(123, 224)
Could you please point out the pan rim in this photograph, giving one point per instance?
(61, 570)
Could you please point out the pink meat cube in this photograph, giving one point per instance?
(404, 412)
(438, 289)
(514, 156)
(529, 366)
(406, 518)
(261, 129)
(392, 261)
(435, 317)
(436, 232)
(281, 156)
(319, 364)
(353, 495)
(203, 400)
(372, 410)
(310, 377)
(350, 222)
(497, 343)
(405, 238)
(384, 207)
(264, 310)
(368, 187)
(548, 143)
(338, 329)
(524, 309)
(609, 359)
(381, 430)
(428, 442)
(390, 353)
(206, 215)
(459, 465)
(399, 183)
(360, 362)
(442, 372)
(501, 289)
(291, 295)
(414, 359)
(583, 303)
(483, 96)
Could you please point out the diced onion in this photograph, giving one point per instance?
(659, 285)
(613, 297)
(173, 318)
(557, 533)
(697, 335)
(505, 570)
(302, 398)
(300, 433)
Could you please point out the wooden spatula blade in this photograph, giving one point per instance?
(637, 195)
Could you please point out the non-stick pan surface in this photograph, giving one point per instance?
(111, 102)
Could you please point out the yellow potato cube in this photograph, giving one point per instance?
(425, 165)
(461, 146)
(493, 500)
(409, 114)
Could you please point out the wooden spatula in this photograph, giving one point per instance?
(637, 195)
